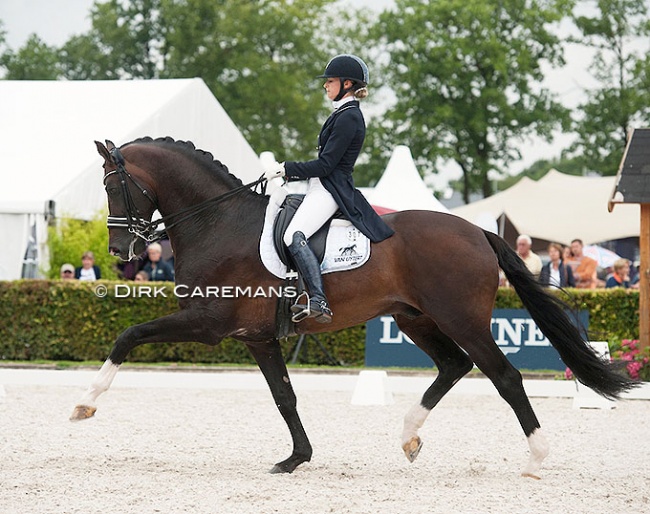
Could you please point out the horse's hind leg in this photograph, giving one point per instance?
(271, 362)
(452, 364)
(484, 351)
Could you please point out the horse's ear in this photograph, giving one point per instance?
(103, 151)
(109, 144)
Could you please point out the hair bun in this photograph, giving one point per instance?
(362, 92)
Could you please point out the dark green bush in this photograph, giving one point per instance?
(66, 320)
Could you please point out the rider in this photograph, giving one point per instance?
(331, 186)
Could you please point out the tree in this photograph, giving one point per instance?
(621, 101)
(34, 61)
(259, 59)
(466, 74)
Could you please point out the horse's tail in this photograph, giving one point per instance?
(551, 317)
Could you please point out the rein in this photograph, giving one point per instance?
(146, 229)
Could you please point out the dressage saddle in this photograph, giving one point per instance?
(285, 215)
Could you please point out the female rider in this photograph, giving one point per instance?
(331, 186)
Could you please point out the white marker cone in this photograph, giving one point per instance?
(372, 389)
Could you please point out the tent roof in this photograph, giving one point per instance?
(401, 187)
(559, 207)
(48, 129)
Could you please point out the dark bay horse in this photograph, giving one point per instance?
(437, 276)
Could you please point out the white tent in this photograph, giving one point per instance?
(48, 155)
(401, 187)
(559, 207)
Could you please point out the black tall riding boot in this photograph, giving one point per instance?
(309, 268)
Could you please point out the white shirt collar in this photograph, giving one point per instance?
(342, 101)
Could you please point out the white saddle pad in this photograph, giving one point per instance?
(346, 247)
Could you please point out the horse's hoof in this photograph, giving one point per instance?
(290, 464)
(412, 448)
(82, 412)
(279, 469)
(530, 475)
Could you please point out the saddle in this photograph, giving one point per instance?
(285, 215)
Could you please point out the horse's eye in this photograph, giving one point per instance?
(112, 191)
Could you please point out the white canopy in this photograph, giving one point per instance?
(401, 187)
(559, 207)
(47, 150)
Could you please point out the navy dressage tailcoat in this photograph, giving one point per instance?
(339, 144)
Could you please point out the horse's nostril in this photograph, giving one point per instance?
(113, 251)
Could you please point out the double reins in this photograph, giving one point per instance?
(146, 229)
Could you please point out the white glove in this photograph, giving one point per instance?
(274, 170)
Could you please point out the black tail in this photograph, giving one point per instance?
(550, 315)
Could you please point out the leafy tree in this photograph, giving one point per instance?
(466, 74)
(259, 58)
(71, 238)
(34, 61)
(621, 100)
(122, 43)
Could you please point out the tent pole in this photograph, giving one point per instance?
(644, 282)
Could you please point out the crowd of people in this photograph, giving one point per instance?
(567, 266)
(151, 266)
(570, 267)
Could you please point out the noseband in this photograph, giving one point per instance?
(145, 229)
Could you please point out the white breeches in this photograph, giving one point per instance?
(317, 207)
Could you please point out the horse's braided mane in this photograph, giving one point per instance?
(189, 148)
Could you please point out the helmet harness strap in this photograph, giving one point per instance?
(343, 91)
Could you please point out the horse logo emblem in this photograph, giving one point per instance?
(348, 250)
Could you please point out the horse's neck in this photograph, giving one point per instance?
(231, 226)
(224, 233)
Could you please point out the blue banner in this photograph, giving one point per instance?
(517, 335)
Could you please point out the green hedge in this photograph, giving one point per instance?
(66, 320)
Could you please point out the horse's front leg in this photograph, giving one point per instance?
(269, 358)
(185, 325)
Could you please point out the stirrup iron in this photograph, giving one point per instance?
(300, 310)
(322, 314)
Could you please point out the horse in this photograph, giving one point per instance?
(437, 276)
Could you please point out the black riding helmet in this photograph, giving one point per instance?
(350, 67)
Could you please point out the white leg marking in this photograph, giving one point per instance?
(413, 421)
(539, 449)
(100, 384)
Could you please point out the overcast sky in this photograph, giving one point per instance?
(55, 21)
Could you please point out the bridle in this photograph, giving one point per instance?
(146, 229)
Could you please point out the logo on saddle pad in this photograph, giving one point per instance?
(349, 254)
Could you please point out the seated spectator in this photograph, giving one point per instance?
(66, 272)
(556, 273)
(88, 270)
(584, 268)
(532, 260)
(141, 276)
(156, 268)
(621, 275)
(128, 269)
